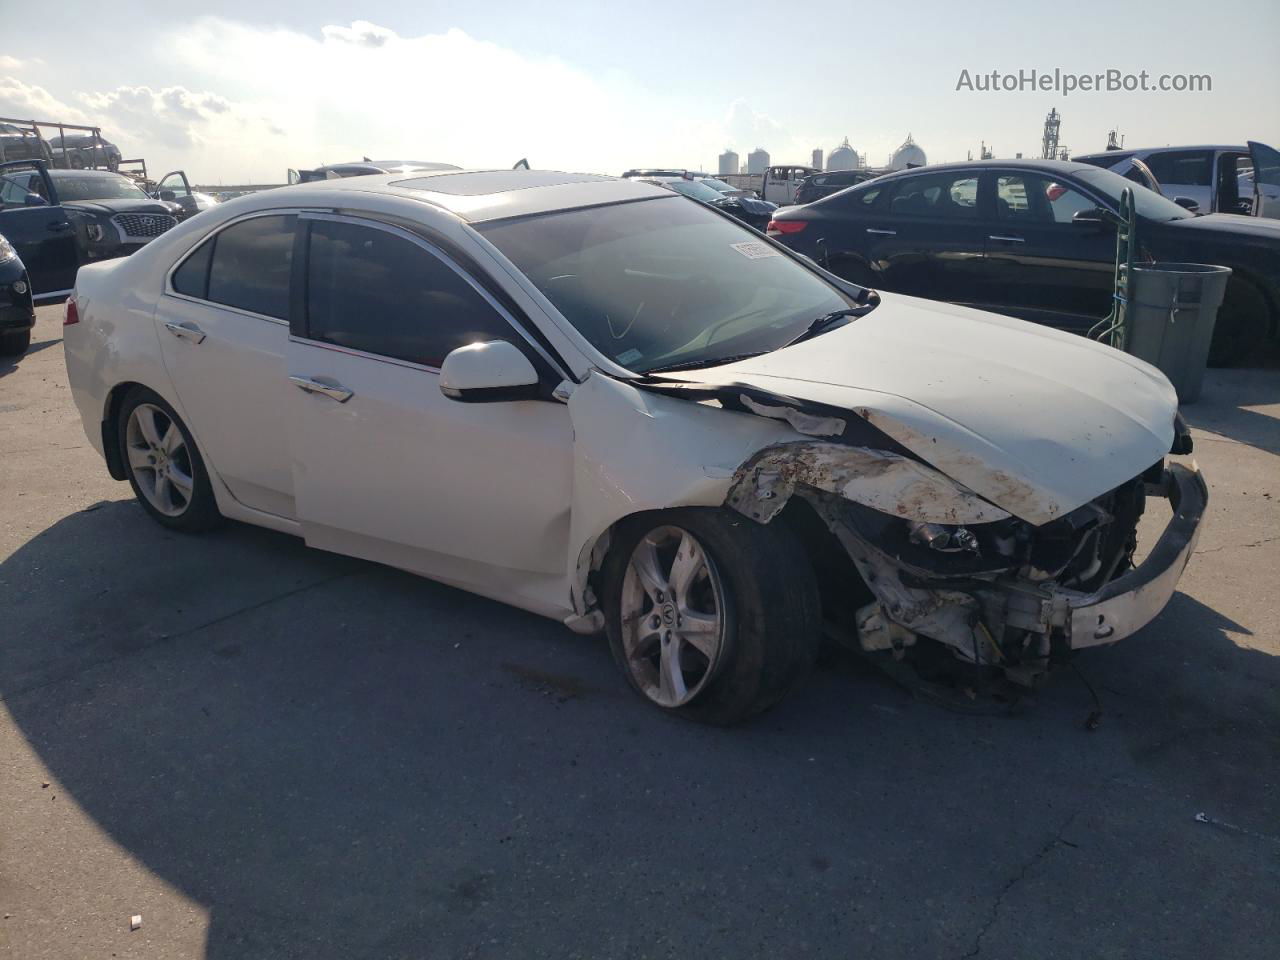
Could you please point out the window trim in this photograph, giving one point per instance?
(300, 331)
(169, 290)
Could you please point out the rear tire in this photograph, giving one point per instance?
(164, 466)
(1244, 320)
(15, 344)
(754, 581)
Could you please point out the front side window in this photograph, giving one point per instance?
(374, 291)
(654, 283)
(949, 196)
(251, 264)
(1028, 198)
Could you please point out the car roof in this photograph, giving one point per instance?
(1125, 152)
(480, 195)
(1044, 166)
(100, 174)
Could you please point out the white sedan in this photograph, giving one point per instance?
(601, 402)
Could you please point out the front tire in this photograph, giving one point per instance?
(710, 615)
(1244, 319)
(164, 466)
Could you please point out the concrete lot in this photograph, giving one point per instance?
(267, 751)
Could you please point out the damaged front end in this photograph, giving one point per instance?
(939, 563)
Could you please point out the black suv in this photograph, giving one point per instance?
(17, 312)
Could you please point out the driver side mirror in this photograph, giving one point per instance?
(489, 372)
(1187, 204)
(35, 200)
(168, 196)
(1094, 217)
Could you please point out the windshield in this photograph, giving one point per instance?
(719, 185)
(1148, 203)
(658, 282)
(695, 189)
(98, 188)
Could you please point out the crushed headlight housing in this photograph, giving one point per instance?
(6, 251)
(943, 538)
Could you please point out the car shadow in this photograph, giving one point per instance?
(337, 759)
(1225, 407)
(10, 364)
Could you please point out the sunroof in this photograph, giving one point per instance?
(492, 181)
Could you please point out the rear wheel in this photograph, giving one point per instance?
(710, 615)
(1244, 320)
(165, 469)
(14, 343)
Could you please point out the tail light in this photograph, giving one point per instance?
(777, 227)
(72, 314)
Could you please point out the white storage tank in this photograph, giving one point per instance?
(728, 162)
(910, 154)
(758, 160)
(843, 157)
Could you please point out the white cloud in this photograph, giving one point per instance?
(13, 63)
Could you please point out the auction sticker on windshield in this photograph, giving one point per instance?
(755, 249)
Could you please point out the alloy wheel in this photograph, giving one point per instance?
(673, 616)
(159, 459)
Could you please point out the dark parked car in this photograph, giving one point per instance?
(752, 212)
(103, 214)
(22, 143)
(176, 188)
(819, 185)
(40, 231)
(366, 167)
(17, 312)
(84, 152)
(1034, 239)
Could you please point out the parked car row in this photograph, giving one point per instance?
(1035, 239)
(632, 413)
(83, 149)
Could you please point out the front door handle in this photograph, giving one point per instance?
(334, 391)
(58, 226)
(882, 233)
(1004, 239)
(187, 331)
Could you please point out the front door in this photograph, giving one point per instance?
(175, 188)
(38, 228)
(1041, 265)
(223, 326)
(1266, 180)
(385, 466)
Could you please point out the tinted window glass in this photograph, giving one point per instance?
(1187, 167)
(192, 278)
(1031, 199)
(251, 262)
(370, 290)
(937, 195)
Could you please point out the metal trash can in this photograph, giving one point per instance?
(1171, 311)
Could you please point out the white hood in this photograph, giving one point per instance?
(1037, 421)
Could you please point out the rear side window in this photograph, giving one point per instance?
(373, 291)
(251, 263)
(1185, 167)
(192, 278)
(937, 196)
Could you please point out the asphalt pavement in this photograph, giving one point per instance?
(266, 751)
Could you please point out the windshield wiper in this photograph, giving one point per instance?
(705, 362)
(817, 325)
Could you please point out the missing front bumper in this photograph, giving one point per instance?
(1129, 603)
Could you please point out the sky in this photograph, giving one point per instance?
(244, 90)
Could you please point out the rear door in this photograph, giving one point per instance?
(929, 240)
(39, 229)
(1041, 265)
(223, 325)
(385, 466)
(1266, 180)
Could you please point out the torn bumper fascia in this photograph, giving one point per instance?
(1130, 602)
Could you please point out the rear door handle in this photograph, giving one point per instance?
(186, 331)
(334, 391)
(882, 233)
(1004, 239)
